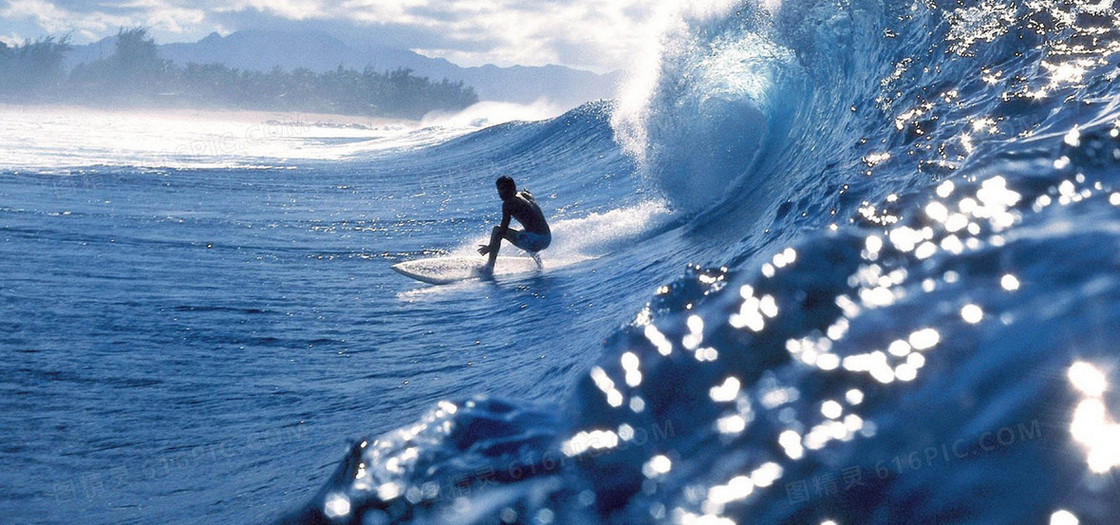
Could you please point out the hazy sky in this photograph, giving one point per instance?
(591, 34)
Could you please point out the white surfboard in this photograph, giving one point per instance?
(446, 270)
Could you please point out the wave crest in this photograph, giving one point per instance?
(729, 82)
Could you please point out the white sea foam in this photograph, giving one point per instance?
(58, 138)
(700, 107)
(491, 113)
(582, 238)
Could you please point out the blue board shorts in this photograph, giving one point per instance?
(532, 242)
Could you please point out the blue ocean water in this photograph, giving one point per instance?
(819, 262)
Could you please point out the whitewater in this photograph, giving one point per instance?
(818, 262)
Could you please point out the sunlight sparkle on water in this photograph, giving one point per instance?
(725, 392)
(1063, 517)
(604, 382)
(630, 364)
(1092, 425)
(1009, 282)
(972, 314)
(1088, 379)
(737, 488)
(899, 348)
(656, 466)
(659, 341)
(696, 333)
(828, 362)
(924, 339)
(593, 440)
(790, 440)
(732, 424)
(637, 404)
(905, 372)
(916, 360)
(767, 474)
(625, 432)
(1065, 73)
(751, 313)
(337, 505)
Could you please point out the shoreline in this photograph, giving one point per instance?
(246, 116)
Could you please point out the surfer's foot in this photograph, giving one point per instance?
(537, 259)
(486, 271)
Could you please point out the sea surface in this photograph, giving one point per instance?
(818, 262)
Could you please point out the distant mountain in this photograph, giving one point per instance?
(319, 51)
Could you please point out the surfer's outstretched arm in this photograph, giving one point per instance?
(496, 236)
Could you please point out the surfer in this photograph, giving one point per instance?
(523, 207)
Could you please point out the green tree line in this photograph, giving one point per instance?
(136, 76)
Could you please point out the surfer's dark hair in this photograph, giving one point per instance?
(505, 181)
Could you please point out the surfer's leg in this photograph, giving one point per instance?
(496, 242)
(531, 242)
(495, 245)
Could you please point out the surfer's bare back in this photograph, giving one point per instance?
(523, 207)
